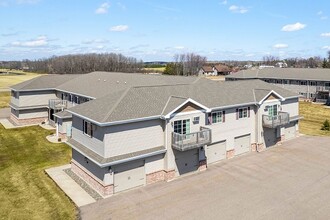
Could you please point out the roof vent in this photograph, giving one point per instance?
(117, 82)
(104, 80)
(99, 79)
(125, 82)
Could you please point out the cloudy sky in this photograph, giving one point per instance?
(156, 30)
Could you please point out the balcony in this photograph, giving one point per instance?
(57, 104)
(282, 118)
(184, 142)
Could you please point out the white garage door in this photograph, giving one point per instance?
(290, 131)
(216, 152)
(270, 137)
(242, 144)
(129, 175)
(186, 161)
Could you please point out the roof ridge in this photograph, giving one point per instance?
(168, 100)
(254, 95)
(148, 86)
(116, 104)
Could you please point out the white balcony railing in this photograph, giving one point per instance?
(57, 104)
(184, 142)
(282, 118)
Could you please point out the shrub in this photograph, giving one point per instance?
(59, 139)
(326, 125)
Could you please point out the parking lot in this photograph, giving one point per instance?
(291, 181)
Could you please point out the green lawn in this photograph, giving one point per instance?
(4, 99)
(9, 80)
(314, 116)
(26, 192)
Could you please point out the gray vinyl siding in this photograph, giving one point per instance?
(94, 143)
(232, 127)
(154, 163)
(89, 165)
(291, 106)
(35, 98)
(14, 100)
(63, 123)
(33, 113)
(14, 112)
(131, 137)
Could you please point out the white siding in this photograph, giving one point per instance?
(33, 113)
(154, 163)
(94, 143)
(291, 106)
(131, 137)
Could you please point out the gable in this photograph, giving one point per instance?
(272, 97)
(189, 107)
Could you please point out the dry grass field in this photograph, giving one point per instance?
(314, 116)
(4, 99)
(12, 79)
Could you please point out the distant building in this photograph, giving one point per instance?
(215, 70)
(311, 84)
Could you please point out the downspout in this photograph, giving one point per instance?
(257, 128)
(57, 129)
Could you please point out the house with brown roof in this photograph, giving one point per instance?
(130, 130)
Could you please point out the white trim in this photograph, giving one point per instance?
(234, 106)
(188, 100)
(278, 95)
(187, 113)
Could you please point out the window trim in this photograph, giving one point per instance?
(87, 124)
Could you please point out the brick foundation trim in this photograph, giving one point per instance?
(26, 121)
(202, 165)
(230, 154)
(91, 180)
(169, 175)
(254, 147)
(260, 147)
(156, 176)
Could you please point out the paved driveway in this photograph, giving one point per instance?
(4, 113)
(291, 181)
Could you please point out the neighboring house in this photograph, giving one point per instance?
(311, 84)
(137, 134)
(215, 70)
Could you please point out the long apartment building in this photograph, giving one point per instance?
(311, 83)
(129, 130)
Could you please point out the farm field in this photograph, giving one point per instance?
(4, 99)
(314, 116)
(14, 77)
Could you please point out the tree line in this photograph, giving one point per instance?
(79, 63)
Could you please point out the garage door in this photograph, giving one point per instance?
(270, 137)
(129, 175)
(216, 152)
(290, 131)
(186, 161)
(242, 144)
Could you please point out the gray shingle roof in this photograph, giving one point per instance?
(43, 82)
(284, 73)
(148, 101)
(63, 114)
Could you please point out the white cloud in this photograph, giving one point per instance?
(238, 9)
(39, 41)
(324, 17)
(325, 34)
(293, 27)
(179, 47)
(96, 41)
(103, 9)
(320, 13)
(120, 5)
(326, 47)
(280, 46)
(27, 1)
(224, 2)
(119, 28)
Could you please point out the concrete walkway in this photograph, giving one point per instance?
(4, 113)
(78, 195)
(291, 181)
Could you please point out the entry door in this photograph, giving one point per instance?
(129, 175)
(270, 137)
(242, 144)
(216, 152)
(186, 161)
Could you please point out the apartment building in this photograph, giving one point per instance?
(129, 130)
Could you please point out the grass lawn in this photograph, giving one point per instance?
(159, 69)
(314, 116)
(9, 80)
(4, 99)
(26, 192)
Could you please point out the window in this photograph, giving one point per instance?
(70, 98)
(88, 128)
(242, 113)
(182, 126)
(196, 120)
(76, 100)
(216, 117)
(14, 94)
(272, 110)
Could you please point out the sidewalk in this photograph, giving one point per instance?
(78, 195)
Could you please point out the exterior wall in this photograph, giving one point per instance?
(232, 127)
(14, 100)
(27, 121)
(169, 157)
(291, 106)
(154, 163)
(94, 143)
(33, 113)
(132, 137)
(34, 98)
(63, 123)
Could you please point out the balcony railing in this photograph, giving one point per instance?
(322, 88)
(282, 118)
(184, 142)
(58, 104)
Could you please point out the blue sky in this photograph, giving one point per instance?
(156, 30)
